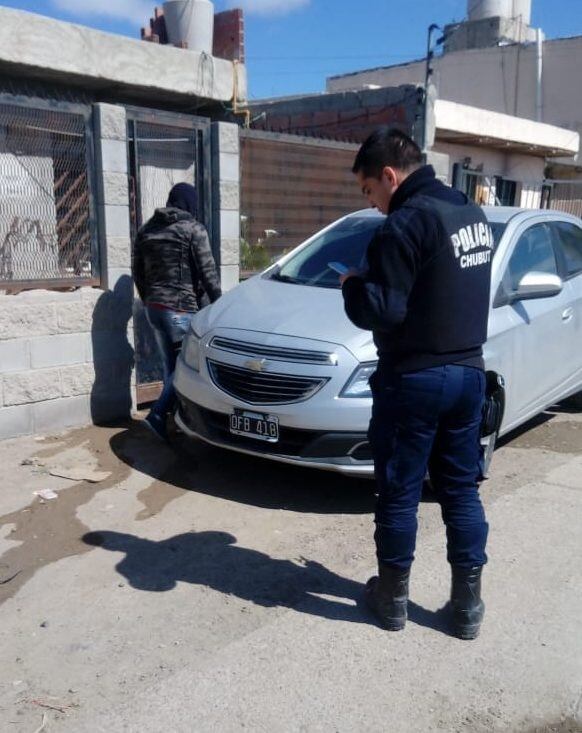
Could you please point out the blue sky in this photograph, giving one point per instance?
(293, 45)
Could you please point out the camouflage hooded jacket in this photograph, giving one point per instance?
(172, 261)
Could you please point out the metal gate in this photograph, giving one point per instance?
(164, 149)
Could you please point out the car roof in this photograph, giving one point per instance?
(497, 214)
(367, 214)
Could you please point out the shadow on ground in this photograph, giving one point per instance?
(193, 466)
(523, 430)
(213, 559)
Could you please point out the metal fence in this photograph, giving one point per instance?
(492, 190)
(566, 195)
(164, 149)
(47, 232)
(291, 186)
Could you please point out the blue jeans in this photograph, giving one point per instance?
(169, 329)
(428, 419)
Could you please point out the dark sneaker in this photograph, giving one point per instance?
(157, 425)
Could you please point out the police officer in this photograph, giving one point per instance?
(425, 297)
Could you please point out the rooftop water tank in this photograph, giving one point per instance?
(190, 21)
(480, 9)
(522, 10)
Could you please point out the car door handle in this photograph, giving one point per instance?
(567, 314)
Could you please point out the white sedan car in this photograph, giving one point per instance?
(275, 369)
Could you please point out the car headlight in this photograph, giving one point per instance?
(191, 350)
(358, 384)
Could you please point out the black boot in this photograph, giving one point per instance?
(468, 608)
(387, 596)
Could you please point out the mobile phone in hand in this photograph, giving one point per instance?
(339, 267)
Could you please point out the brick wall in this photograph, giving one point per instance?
(229, 33)
(345, 116)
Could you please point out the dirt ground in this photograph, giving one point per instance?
(184, 588)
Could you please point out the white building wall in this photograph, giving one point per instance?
(495, 162)
(526, 170)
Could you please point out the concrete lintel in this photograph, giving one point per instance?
(59, 51)
(461, 122)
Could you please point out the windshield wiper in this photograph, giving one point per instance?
(285, 278)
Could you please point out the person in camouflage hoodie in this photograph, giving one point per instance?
(174, 272)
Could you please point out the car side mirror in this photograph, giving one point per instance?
(537, 285)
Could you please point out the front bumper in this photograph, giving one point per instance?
(343, 452)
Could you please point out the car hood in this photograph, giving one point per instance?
(263, 305)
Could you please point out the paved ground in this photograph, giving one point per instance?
(194, 590)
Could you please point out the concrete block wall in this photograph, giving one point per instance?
(226, 199)
(66, 358)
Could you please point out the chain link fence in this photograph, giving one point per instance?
(46, 227)
(161, 155)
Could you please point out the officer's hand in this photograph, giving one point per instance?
(349, 273)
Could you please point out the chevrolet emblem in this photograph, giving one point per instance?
(256, 365)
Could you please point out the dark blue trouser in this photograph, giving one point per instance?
(169, 329)
(428, 419)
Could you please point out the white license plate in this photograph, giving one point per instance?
(255, 425)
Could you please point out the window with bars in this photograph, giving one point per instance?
(46, 227)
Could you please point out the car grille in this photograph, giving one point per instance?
(263, 388)
(275, 353)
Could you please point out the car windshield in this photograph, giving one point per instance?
(345, 242)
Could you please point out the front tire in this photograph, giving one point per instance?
(575, 401)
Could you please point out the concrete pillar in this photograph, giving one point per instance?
(226, 200)
(113, 394)
(441, 164)
(112, 192)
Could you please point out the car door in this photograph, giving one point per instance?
(529, 337)
(568, 236)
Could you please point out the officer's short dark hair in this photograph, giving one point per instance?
(386, 146)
